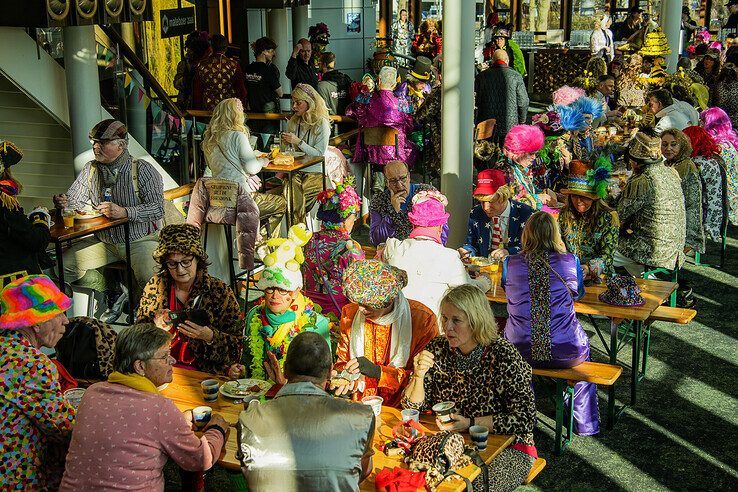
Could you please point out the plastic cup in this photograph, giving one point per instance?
(210, 390)
(375, 402)
(68, 217)
(479, 435)
(410, 414)
(201, 416)
(443, 410)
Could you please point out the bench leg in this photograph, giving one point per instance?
(563, 441)
(611, 417)
(646, 348)
(635, 359)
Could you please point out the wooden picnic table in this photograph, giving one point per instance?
(84, 228)
(185, 392)
(654, 292)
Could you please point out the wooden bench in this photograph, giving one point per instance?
(538, 465)
(588, 372)
(680, 316)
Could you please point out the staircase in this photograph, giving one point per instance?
(46, 168)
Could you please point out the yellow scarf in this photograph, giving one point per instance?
(135, 381)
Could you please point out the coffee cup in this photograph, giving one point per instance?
(210, 389)
(479, 435)
(201, 416)
(410, 414)
(444, 410)
(375, 402)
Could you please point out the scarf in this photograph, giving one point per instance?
(539, 283)
(111, 171)
(400, 338)
(134, 381)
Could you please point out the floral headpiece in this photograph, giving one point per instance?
(549, 122)
(319, 33)
(338, 204)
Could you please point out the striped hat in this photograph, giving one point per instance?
(109, 129)
(31, 300)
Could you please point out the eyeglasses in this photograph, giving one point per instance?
(168, 358)
(399, 180)
(184, 263)
(275, 290)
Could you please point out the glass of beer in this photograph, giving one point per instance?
(68, 217)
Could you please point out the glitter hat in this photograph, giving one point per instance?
(655, 44)
(31, 300)
(373, 283)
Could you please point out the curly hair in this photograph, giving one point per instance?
(316, 111)
(228, 116)
(703, 145)
(263, 44)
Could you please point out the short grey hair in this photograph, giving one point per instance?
(123, 142)
(387, 78)
(138, 342)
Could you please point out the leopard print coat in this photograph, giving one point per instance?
(223, 311)
(498, 384)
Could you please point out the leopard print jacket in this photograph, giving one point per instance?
(499, 384)
(224, 315)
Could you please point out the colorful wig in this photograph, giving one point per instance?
(703, 145)
(587, 105)
(572, 120)
(718, 125)
(565, 95)
(523, 139)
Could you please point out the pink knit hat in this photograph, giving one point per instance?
(31, 300)
(523, 139)
(429, 209)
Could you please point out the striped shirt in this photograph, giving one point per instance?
(143, 212)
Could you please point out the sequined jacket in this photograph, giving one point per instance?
(479, 228)
(216, 78)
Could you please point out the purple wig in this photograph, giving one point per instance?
(523, 139)
(718, 124)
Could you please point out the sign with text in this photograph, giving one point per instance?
(222, 192)
(177, 22)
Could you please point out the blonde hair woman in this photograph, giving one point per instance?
(541, 285)
(309, 130)
(229, 155)
(500, 397)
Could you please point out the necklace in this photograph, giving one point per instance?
(466, 362)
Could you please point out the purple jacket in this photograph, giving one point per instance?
(569, 342)
(384, 109)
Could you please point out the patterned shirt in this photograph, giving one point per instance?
(37, 420)
(594, 247)
(327, 255)
(144, 208)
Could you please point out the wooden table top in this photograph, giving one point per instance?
(82, 227)
(655, 292)
(185, 392)
(300, 163)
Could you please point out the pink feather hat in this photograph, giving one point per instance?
(565, 95)
(524, 139)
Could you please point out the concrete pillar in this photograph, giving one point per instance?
(277, 29)
(671, 23)
(300, 23)
(83, 89)
(457, 115)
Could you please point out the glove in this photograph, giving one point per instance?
(40, 214)
(368, 368)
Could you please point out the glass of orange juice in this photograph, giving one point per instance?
(68, 217)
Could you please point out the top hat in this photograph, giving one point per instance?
(422, 68)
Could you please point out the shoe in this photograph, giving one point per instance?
(118, 307)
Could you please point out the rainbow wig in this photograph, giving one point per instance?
(718, 125)
(587, 105)
(565, 95)
(524, 139)
(572, 120)
(703, 145)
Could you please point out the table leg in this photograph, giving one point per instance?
(611, 407)
(646, 348)
(129, 270)
(60, 265)
(290, 200)
(635, 359)
(613, 342)
(559, 415)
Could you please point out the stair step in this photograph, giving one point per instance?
(26, 115)
(44, 178)
(40, 143)
(56, 168)
(51, 156)
(15, 99)
(7, 85)
(12, 127)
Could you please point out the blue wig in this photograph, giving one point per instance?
(572, 120)
(587, 105)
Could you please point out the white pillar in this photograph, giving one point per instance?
(300, 23)
(671, 24)
(277, 30)
(457, 115)
(83, 89)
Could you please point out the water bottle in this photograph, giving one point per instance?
(107, 195)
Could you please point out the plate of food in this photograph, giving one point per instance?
(241, 388)
(86, 214)
(293, 153)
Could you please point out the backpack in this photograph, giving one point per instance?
(87, 348)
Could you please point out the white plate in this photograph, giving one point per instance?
(89, 215)
(294, 154)
(227, 389)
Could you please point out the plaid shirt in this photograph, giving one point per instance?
(143, 212)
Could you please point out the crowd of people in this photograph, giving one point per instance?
(560, 203)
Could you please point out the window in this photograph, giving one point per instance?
(540, 15)
(587, 13)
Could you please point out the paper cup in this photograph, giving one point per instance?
(479, 435)
(201, 416)
(375, 402)
(210, 389)
(444, 410)
(410, 414)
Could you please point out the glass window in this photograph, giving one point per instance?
(540, 15)
(718, 15)
(586, 13)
